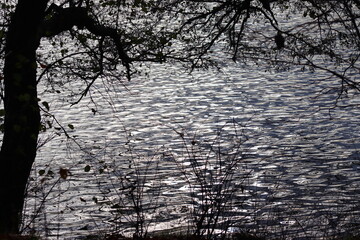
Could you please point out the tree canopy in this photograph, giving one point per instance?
(108, 37)
(60, 42)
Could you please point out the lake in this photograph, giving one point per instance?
(297, 153)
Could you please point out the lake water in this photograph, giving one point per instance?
(297, 173)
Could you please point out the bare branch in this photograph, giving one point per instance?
(64, 19)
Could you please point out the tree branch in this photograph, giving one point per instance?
(64, 19)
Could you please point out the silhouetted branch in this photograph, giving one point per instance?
(64, 19)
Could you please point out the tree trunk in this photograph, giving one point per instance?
(22, 116)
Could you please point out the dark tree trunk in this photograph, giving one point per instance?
(22, 117)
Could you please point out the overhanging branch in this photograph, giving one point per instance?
(64, 19)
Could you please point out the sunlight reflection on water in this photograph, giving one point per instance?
(301, 157)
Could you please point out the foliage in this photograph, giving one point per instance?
(83, 42)
(215, 188)
(318, 35)
(137, 196)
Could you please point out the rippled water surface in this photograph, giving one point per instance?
(299, 168)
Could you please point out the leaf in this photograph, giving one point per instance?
(43, 65)
(46, 105)
(115, 206)
(41, 172)
(49, 124)
(163, 40)
(82, 38)
(312, 14)
(137, 2)
(71, 126)
(42, 127)
(86, 227)
(64, 173)
(63, 51)
(87, 168)
(50, 173)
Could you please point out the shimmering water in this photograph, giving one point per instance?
(298, 170)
